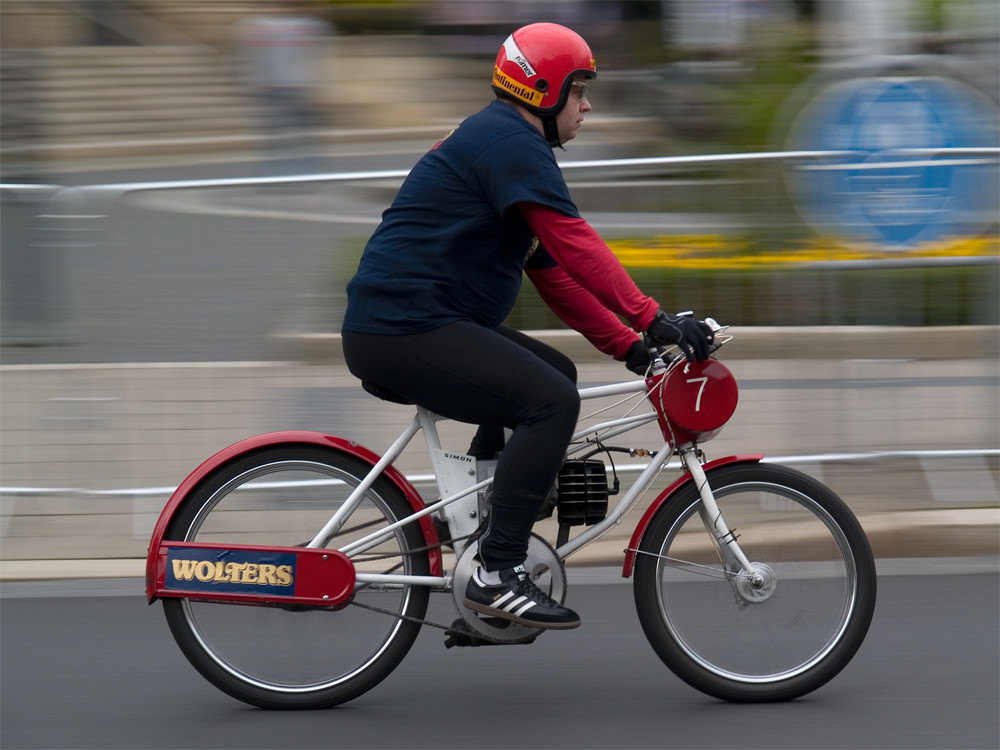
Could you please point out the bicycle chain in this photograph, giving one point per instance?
(450, 630)
(399, 616)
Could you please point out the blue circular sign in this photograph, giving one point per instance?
(899, 185)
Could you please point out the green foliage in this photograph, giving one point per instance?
(922, 296)
(375, 16)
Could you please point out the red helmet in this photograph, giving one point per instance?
(536, 65)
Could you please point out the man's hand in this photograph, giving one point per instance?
(693, 336)
(637, 358)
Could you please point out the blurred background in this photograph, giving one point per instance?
(187, 186)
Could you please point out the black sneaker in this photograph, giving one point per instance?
(519, 600)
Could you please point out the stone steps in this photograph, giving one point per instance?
(74, 100)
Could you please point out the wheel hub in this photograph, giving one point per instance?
(758, 584)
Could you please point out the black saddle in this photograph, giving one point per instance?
(386, 394)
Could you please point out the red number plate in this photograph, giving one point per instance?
(700, 397)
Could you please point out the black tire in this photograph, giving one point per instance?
(279, 658)
(770, 641)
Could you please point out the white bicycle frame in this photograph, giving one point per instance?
(455, 475)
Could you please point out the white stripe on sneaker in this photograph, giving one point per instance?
(501, 602)
(511, 606)
(525, 608)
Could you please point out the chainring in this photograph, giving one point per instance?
(546, 571)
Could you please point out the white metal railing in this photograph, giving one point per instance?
(426, 479)
(926, 157)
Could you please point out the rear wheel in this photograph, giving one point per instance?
(773, 633)
(309, 658)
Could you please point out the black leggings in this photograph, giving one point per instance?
(493, 378)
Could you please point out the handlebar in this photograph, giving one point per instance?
(666, 357)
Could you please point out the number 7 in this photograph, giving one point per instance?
(701, 390)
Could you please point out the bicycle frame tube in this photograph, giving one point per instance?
(387, 580)
(609, 429)
(711, 516)
(613, 389)
(614, 427)
(621, 508)
(354, 499)
(425, 421)
(365, 543)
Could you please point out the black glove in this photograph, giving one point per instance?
(637, 358)
(693, 336)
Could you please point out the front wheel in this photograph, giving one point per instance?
(295, 657)
(778, 631)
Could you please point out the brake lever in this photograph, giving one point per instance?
(668, 358)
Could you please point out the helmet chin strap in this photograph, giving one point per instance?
(551, 131)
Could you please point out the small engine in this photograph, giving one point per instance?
(582, 492)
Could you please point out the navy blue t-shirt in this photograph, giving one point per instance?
(452, 246)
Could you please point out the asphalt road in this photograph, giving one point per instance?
(90, 665)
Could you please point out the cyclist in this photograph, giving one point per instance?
(442, 272)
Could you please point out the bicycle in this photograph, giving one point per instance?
(752, 582)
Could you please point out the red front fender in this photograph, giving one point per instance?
(280, 438)
(665, 496)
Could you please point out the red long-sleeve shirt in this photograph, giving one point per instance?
(589, 288)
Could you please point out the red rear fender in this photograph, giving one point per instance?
(284, 438)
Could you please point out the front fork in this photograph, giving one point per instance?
(737, 564)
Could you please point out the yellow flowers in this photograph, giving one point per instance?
(733, 252)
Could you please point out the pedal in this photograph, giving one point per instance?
(461, 635)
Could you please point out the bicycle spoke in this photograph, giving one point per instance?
(802, 608)
(300, 656)
(697, 569)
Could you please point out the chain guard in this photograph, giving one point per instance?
(545, 569)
